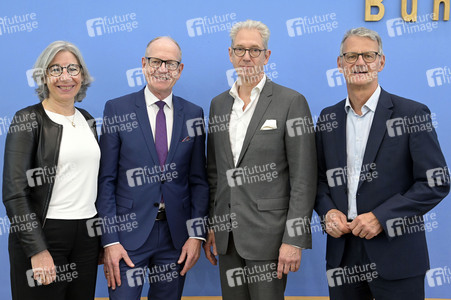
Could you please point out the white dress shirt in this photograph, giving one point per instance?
(357, 131)
(239, 119)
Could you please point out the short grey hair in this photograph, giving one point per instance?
(363, 32)
(165, 37)
(251, 24)
(44, 60)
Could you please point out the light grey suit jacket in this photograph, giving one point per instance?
(274, 180)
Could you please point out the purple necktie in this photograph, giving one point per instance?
(161, 137)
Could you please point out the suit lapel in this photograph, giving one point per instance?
(225, 110)
(378, 129)
(260, 109)
(143, 119)
(178, 122)
(340, 136)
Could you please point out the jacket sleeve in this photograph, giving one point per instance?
(20, 150)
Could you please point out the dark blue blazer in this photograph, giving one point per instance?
(402, 152)
(130, 183)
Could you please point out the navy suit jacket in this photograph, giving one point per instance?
(396, 184)
(130, 182)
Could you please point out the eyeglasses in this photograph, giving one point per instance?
(57, 70)
(253, 52)
(171, 65)
(352, 57)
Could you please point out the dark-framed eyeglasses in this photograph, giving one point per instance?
(154, 62)
(56, 70)
(352, 57)
(253, 52)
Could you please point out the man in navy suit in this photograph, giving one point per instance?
(152, 182)
(380, 170)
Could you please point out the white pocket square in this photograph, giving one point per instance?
(269, 125)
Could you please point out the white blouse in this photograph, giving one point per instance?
(75, 183)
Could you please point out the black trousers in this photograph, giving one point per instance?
(357, 278)
(75, 255)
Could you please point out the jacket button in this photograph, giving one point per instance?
(228, 205)
(156, 204)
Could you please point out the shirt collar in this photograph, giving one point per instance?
(259, 87)
(370, 104)
(151, 98)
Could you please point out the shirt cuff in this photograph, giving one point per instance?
(197, 238)
(111, 244)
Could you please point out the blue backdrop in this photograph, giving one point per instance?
(305, 39)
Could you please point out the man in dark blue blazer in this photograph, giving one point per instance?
(152, 182)
(380, 170)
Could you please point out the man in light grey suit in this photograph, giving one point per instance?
(261, 172)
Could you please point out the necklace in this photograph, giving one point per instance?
(71, 121)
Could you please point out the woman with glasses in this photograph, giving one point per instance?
(50, 184)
